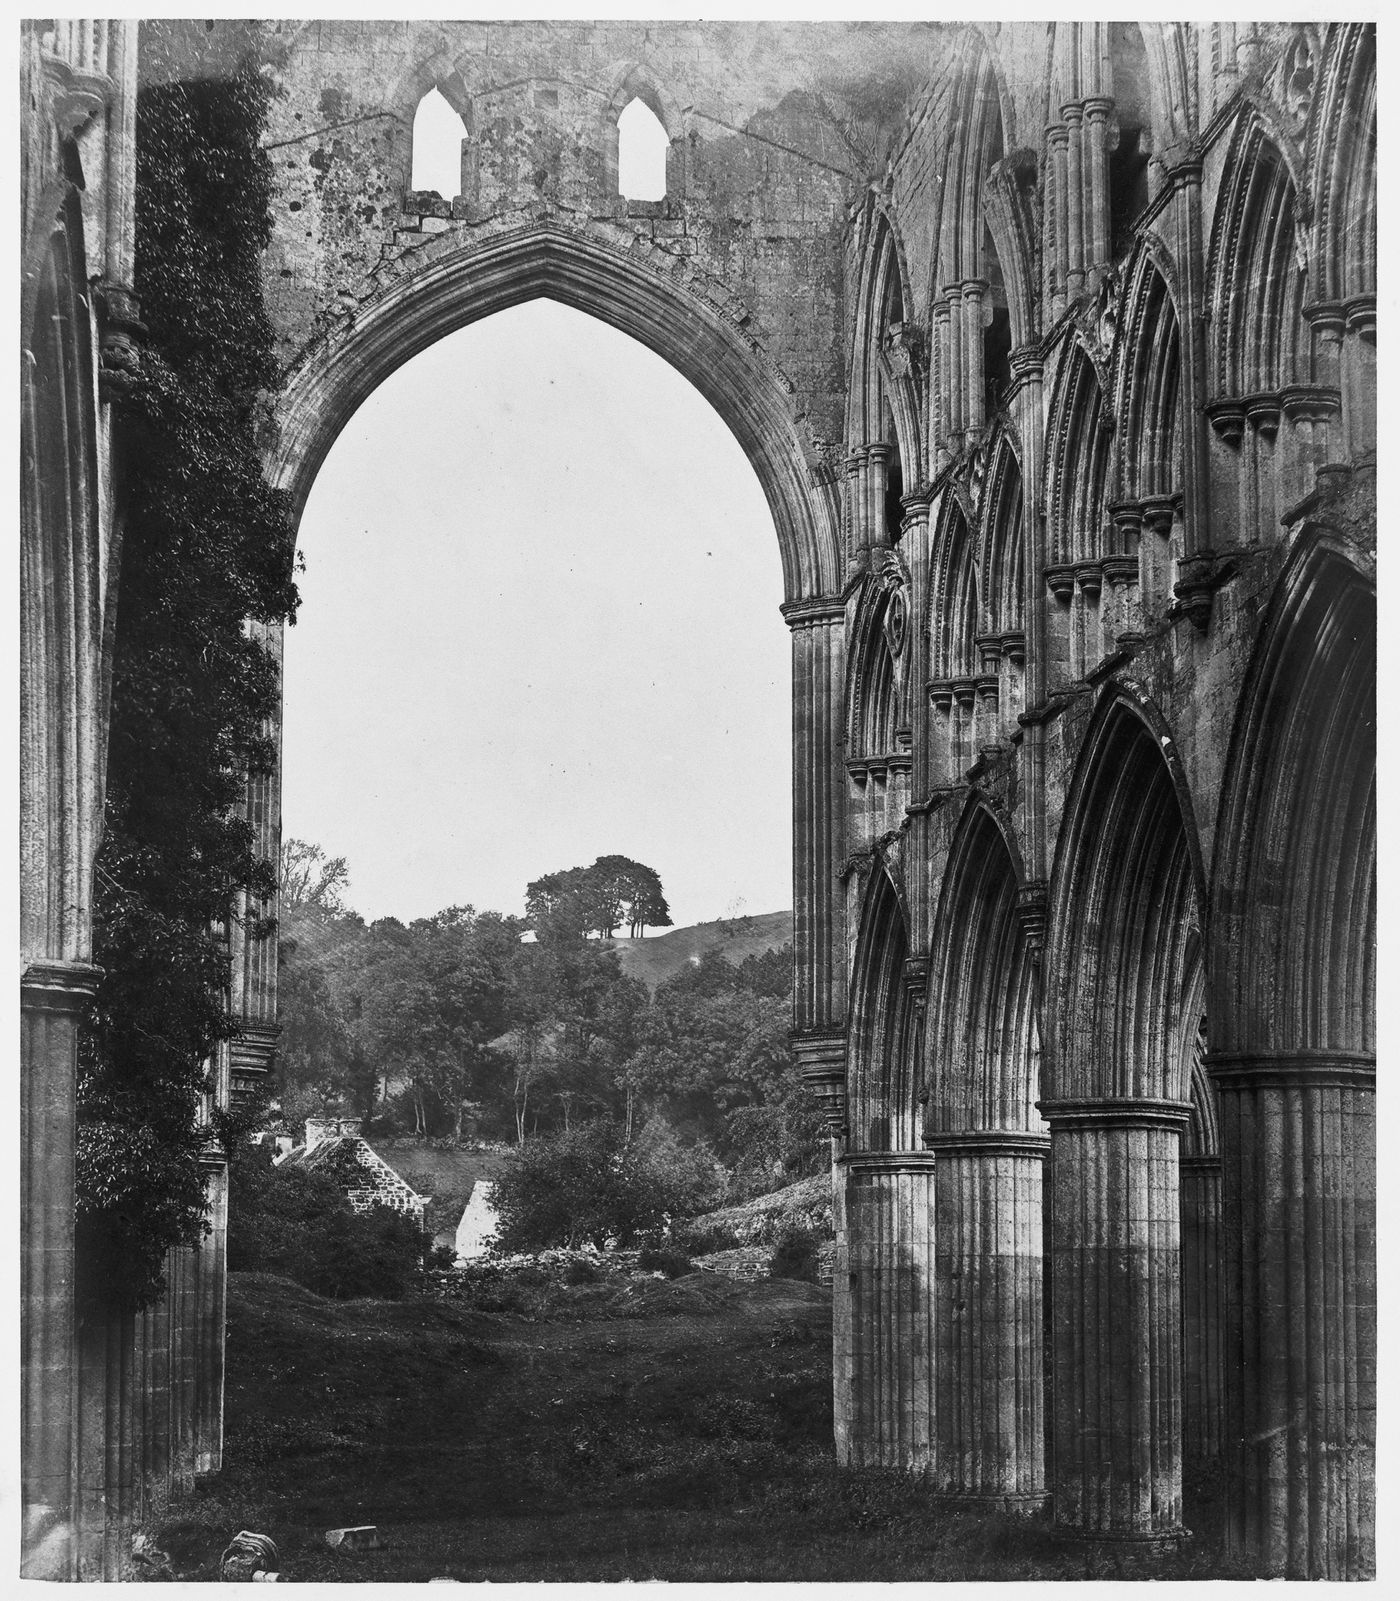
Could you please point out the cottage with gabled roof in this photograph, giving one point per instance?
(336, 1146)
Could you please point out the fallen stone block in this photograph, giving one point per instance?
(365, 1537)
(248, 1557)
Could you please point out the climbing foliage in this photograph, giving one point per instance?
(207, 549)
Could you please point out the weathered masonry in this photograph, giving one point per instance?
(1053, 347)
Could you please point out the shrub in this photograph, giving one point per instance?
(579, 1270)
(674, 1264)
(795, 1254)
(298, 1223)
(586, 1185)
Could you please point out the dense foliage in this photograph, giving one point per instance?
(298, 1223)
(207, 547)
(588, 1186)
(461, 1025)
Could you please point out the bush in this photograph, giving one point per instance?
(298, 1223)
(587, 1185)
(795, 1254)
(674, 1264)
(580, 1271)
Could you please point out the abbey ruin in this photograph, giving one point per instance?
(1053, 348)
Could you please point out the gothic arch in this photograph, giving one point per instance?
(981, 1035)
(1293, 1057)
(875, 692)
(1077, 447)
(1257, 281)
(884, 405)
(882, 1084)
(955, 609)
(586, 272)
(1001, 545)
(1126, 909)
(60, 632)
(630, 81)
(1150, 438)
(1342, 167)
(1294, 903)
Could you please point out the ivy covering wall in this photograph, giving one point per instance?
(207, 545)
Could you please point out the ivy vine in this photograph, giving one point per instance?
(207, 546)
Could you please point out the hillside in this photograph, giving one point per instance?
(658, 956)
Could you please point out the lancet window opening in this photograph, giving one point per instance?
(438, 134)
(642, 143)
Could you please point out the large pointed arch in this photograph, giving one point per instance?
(881, 1088)
(1342, 166)
(1293, 1056)
(1002, 542)
(1126, 914)
(1294, 895)
(458, 287)
(981, 1044)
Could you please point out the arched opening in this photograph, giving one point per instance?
(1293, 1057)
(1125, 932)
(438, 133)
(954, 614)
(883, 1069)
(642, 143)
(529, 463)
(1078, 443)
(983, 1127)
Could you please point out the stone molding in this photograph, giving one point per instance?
(1308, 1069)
(58, 986)
(816, 610)
(855, 1163)
(989, 1142)
(1127, 1112)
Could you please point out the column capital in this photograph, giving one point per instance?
(880, 1162)
(1352, 1070)
(47, 986)
(813, 609)
(988, 1142)
(1119, 1112)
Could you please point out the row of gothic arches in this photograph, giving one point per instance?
(1115, 1023)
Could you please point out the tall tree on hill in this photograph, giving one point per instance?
(596, 898)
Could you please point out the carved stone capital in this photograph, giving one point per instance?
(58, 986)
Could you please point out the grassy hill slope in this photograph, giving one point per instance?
(659, 956)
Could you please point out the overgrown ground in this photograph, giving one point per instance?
(632, 1428)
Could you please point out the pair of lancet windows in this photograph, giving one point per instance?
(438, 132)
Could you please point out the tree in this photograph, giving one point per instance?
(594, 899)
(309, 880)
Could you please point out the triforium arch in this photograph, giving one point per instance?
(982, 1124)
(1292, 1052)
(1124, 946)
(884, 413)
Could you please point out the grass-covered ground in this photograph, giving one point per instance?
(630, 1428)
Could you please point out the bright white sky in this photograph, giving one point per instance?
(539, 625)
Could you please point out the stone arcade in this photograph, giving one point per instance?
(1053, 347)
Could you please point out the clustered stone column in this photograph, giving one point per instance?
(1297, 1137)
(1116, 1316)
(989, 1316)
(883, 1322)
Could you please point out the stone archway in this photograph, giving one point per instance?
(589, 273)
